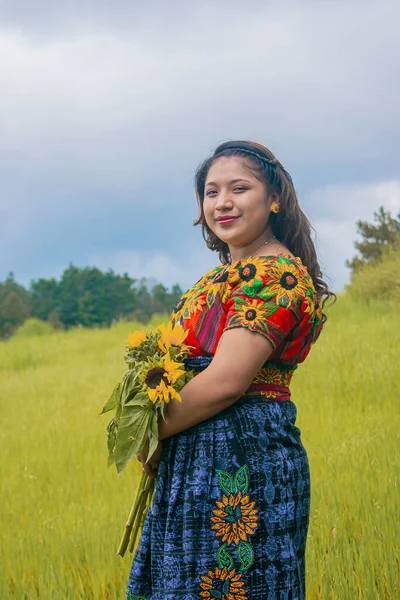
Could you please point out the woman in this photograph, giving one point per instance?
(231, 505)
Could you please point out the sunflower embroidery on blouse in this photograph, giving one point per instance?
(252, 313)
(217, 284)
(286, 282)
(249, 275)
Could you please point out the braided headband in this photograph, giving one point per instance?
(269, 161)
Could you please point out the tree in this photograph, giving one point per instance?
(15, 306)
(12, 314)
(44, 298)
(375, 238)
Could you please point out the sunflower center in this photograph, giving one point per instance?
(220, 588)
(248, 272)
(221, 277)
(233, 515)
(251, 314)
(179, 305)
(288, 280)
(155, 376)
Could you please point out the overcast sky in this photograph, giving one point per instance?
(107, 108)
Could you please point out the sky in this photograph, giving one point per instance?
(107, 108)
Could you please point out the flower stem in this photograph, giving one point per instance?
(132, 515)
(149, 487)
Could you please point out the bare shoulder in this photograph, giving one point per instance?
(281, 249)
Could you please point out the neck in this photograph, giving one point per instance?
(242, 252)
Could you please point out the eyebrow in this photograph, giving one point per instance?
(232, 181)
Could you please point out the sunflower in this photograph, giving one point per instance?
(235, 518)
(269, 375)
(309, 305)
(249, 271)
(136, 338)
(158, 378)
(285, 282)
(197, 304)
(173, 335)
(218, 284)
(223, 584)
(253, 313)
(318, 311)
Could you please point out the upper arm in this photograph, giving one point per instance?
(240, 354)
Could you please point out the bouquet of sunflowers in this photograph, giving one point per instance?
(154, 377)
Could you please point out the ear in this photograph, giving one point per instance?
(272, 197)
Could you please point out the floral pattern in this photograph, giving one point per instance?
(223, 584)
(270, 295)
(201, 472)
(235, 520)
(210, 533)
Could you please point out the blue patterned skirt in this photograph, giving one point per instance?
(230, 511)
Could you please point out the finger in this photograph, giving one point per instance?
(148, 469)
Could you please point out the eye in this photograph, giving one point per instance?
(240, 188)
(209, 192)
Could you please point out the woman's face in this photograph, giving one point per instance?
(231, 189)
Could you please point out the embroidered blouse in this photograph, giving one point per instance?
(273, 296)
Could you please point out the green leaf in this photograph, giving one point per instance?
(112, 428)
(210, 299)
(225, 482)
(224, 559)
(113, 400)
(241, 482)
(162, 408)
(266, 294)
(134, 423)
(129, 385)
(245, 555)
(284, 301)
(153, 435)
(139, 399)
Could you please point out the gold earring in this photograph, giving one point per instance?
(275, 207)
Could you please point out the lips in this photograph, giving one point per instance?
(222, 219)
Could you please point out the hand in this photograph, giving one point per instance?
(150, 467)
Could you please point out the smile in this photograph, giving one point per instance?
(230, 220)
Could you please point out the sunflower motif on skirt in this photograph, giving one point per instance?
(286, 283)
(235, 518)
(223, 584)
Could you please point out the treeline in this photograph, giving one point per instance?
(83, 297)
(375, 272)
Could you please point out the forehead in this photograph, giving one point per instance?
(228, 166)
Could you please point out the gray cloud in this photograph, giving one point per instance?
(106, 113)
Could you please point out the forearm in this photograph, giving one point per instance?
(202, 398)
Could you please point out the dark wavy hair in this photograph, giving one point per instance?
(290, 225)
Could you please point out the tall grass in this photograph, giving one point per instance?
(63, 511)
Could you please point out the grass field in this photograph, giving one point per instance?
(63, 512)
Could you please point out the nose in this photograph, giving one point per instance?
(224, 200)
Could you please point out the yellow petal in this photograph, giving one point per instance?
(136, 338)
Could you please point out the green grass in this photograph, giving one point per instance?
(63, 510)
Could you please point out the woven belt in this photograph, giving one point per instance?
(277, 392)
